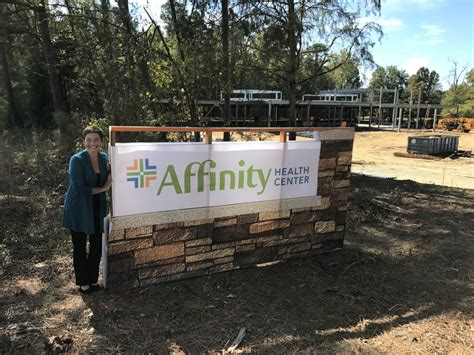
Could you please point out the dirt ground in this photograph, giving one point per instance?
(402, 283)
(373, 153)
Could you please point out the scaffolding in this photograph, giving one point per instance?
(369, 107)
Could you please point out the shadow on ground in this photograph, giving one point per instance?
(407, 258)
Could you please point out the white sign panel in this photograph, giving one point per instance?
(155, 177)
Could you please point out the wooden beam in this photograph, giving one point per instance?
(112, 136)
(220, 129)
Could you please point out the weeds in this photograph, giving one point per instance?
(33, 180)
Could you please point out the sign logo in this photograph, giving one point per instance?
(141, 173)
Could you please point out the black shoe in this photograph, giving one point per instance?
(95, 288)
(87, 291)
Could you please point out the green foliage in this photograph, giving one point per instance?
(390, 78)
(426, 82)
(461, 97)
(346, 75)
(121, 70)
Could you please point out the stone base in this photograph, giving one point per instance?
(149, 254)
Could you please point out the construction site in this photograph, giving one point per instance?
(402, 281)
(379, 108)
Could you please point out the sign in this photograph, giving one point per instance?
(155, 177)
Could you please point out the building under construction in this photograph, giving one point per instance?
(330, 108)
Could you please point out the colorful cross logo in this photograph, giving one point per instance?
(141, 173)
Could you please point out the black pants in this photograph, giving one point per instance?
(86, 266)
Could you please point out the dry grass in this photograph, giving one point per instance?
(403, 283)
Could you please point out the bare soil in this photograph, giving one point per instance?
(374, 153)
(402, 283)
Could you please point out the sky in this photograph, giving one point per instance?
(426, 33)
(417, 33)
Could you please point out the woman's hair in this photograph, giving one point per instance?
(92, 129)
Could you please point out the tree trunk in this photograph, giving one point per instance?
(226, 65)
(52, 61)
(125, 15)
(188, 89)
(142, 57)
(292, 64)
(70, 10)
(7, 83)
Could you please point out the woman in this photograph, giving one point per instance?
(85, 207)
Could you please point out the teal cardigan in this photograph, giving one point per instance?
(78, 213)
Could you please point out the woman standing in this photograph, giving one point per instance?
(85, 207)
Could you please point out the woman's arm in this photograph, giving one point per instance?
(108, 183)
(76, 175)
(98, 190)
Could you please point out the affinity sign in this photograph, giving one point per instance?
(155, 177)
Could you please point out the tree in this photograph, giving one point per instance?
(312, 67)
(426, 82)
(96, 60)
(8, 87)
(226, 63)
(41, 11)
(138, 54)
(345, 76)
(467, 107)
(331, 23)
(189, 45)
(458, 90)
(460, 95)
(390, 78)
(56, 84)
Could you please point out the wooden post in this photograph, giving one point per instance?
(308, 109)
(282, 137)
(112, 139)
(208, 137)
(360, 115)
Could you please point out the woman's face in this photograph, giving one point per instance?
(92, 142)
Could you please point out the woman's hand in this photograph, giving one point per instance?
(105, 188)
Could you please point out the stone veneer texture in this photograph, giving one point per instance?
(147, 255)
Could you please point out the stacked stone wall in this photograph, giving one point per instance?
(152, 254)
